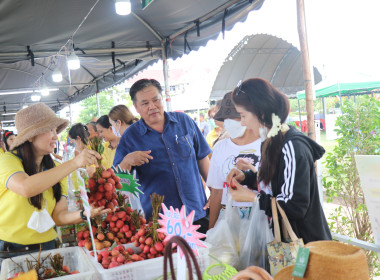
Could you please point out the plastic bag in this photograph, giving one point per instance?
(257, 235)
(224, 237)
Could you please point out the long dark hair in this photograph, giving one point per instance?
(7, 134)
(80, 130)
(261, 98)
(104, 121)
(25, 152)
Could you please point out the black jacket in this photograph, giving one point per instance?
(296, 187)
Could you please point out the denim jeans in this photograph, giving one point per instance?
(10, 250)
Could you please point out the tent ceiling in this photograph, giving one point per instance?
(263, 56)
(47, 25)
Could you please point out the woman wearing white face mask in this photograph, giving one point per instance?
(120, 118)
(242, 145)
(287, 162)
(31, 181)
(106, 131)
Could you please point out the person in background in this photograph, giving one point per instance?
(92, 129)
(243, 145)
(9, 137)
(211, 113)
(3, 149)
(215, 133)
(203, 125)
(120, 118)
(31, 181)
(287, 161)
(168, 151)
(105, 131)
(79, 135)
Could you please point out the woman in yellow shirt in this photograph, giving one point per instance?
(33, 186)
(104, 128)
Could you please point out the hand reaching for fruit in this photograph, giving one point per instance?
(87, 157)
(96, 211)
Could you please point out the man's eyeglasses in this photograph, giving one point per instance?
(238, 88)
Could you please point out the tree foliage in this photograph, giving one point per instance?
(106, 102)
(359, 132)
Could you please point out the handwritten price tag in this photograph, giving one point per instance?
(175, 222)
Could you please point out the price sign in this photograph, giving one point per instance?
(174, 222)
(128, 181)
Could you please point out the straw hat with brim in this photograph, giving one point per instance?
(227, 109)
(34, 120)
(331, 260)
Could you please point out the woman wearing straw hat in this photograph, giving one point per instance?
(287, 161)
(33, 191)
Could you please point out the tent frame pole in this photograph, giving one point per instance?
(97, 98)
(167, 88)
(308, 80)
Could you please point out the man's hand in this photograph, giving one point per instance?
(137, 158)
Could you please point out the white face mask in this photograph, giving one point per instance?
(116, 132)
(263, 131)
(234, 128)
(40, 221)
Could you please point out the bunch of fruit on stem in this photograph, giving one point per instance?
(56, 268)
(147, 241)
(102, 188)
(118, 227)
(103, 184)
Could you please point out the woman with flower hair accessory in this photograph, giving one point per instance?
(287, 161)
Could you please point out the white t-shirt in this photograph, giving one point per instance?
(224, 156)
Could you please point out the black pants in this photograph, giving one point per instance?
(10, 250)
(204, 223)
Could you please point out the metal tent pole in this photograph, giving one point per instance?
(97, 98)
(167, 88)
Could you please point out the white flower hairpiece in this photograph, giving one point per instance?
(277, 126)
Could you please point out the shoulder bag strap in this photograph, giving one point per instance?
(277, 233)
(292, 235)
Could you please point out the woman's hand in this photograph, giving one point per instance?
(87, 157)
(240, 193)
(96, 211)
(243, 165)
(236, 174)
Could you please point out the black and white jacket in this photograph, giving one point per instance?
(296, 187)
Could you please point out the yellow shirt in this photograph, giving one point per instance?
(211, 137)
(1, 151)
(108, 156)
(15, 210)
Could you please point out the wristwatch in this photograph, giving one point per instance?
(82, 215)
